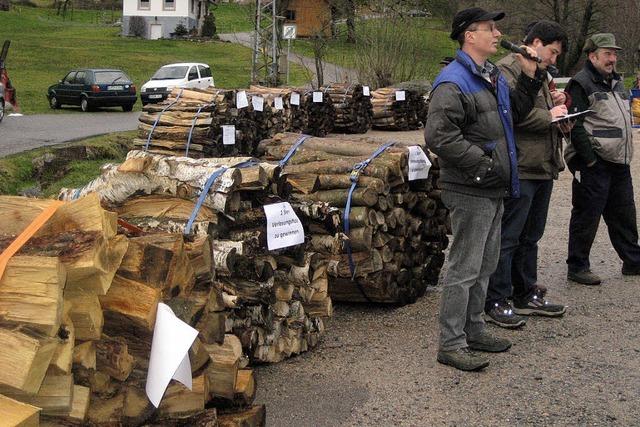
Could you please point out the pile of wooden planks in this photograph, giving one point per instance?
(398, 229)
(396, 108)
(78, 306)
(319, 114)
(353, 108)
(275, 301)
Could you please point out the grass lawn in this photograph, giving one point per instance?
(44, 47)
(17, 171)
(233, 17)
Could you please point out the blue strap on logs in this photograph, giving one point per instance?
(355, 176)
(155, 124)
(293, 150)
(193, 125)
(207, 186)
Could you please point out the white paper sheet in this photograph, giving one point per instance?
(366, 91)
(258, 103)
(317, 96)
(241, 99)
(228, 134)
(295, 98)
(172, 339)
(419, 163)
(283, 226)
(277, 103)
(400, 95)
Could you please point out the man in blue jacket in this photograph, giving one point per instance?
(470, 128)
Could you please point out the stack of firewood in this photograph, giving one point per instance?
(398, 229)
(353, 108)
(276, 300)
(78, 306)
(183, 129)
(317, 111)
(397, 108)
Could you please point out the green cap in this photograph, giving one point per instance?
(600, 40)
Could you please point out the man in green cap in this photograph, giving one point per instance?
(598, 156)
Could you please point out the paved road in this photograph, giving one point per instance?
(28, 132)
(332, 72)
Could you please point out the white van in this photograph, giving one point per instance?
(187, 74)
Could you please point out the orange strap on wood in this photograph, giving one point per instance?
(28, 233)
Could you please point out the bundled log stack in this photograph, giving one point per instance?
(389, 113)
(318, 118)
(353, 108)
(189, 114)
(398, 229)
(275, 301)
(78, 310)
(273, 119)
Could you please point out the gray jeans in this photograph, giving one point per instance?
(473, 257)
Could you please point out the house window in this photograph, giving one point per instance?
(144, 4)
(290, 15)
(169, 5)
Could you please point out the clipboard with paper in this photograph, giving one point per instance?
(572, 116)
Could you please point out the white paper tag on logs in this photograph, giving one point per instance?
(295, 98)
(401, 95)
(317, 96)
(241, 99)
(169, 359)
(366, 91)
(228, 134)
(278, 104)
(419, 163)
(284, 228)
(258, 103)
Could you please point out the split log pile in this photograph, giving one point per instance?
(275, 301)
(315, 118)
(78, 306)
(389, 113)
(398, 229)
(353, 108)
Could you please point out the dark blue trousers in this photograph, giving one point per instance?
(606, 190)
(523, 224)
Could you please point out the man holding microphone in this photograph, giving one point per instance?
(539, 143)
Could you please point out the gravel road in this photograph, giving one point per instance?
(377, 365)
(22, 133)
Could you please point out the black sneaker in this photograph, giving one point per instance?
(630, 270)
(585, 277)
(502, 314)
(537, 305)
(463, 359)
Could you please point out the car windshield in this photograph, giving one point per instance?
(170, 73)
(108, 77)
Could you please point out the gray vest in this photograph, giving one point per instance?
(610, 126)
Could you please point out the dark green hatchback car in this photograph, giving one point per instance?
(91, 88)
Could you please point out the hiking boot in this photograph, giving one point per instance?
(502, 314)
(463, 359)
(584, 277)
(537, 305)
(487, 342)
(630, 270)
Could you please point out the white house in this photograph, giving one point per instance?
(162, 16)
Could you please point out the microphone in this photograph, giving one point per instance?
(517, 49)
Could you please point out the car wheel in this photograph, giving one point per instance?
(1, 109)
(53, 102)
(84, 104)
(127, 107)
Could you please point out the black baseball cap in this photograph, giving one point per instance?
(466, 17)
